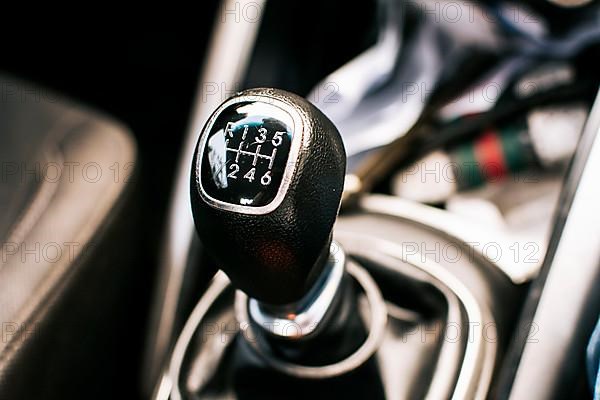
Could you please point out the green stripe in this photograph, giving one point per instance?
(468, 171)
(515, 153)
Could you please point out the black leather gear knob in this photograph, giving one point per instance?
(266, 183)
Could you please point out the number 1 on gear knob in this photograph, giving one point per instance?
(266, 183)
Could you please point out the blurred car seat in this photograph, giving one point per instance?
(67, 262)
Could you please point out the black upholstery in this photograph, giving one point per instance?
(67, 270)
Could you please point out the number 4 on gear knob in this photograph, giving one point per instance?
(266, 183)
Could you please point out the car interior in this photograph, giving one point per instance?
(386, 199)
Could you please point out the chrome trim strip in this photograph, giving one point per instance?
(307, 314)
(219, 283)
(226, 64)
(479, 356)
(377, 325)
(571, 284)
(458, 227)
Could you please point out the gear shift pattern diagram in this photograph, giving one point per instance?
(246, 154)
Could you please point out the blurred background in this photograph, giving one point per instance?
(471, 107)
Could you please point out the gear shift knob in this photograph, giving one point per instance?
(266, 184)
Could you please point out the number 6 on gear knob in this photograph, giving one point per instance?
(266, 183)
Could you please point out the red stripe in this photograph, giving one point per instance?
(490, 156)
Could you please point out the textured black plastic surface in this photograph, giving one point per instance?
(273, 257)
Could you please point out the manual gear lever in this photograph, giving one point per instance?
(266, 184)
(267, 179)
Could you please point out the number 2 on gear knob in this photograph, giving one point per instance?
(266, 183)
